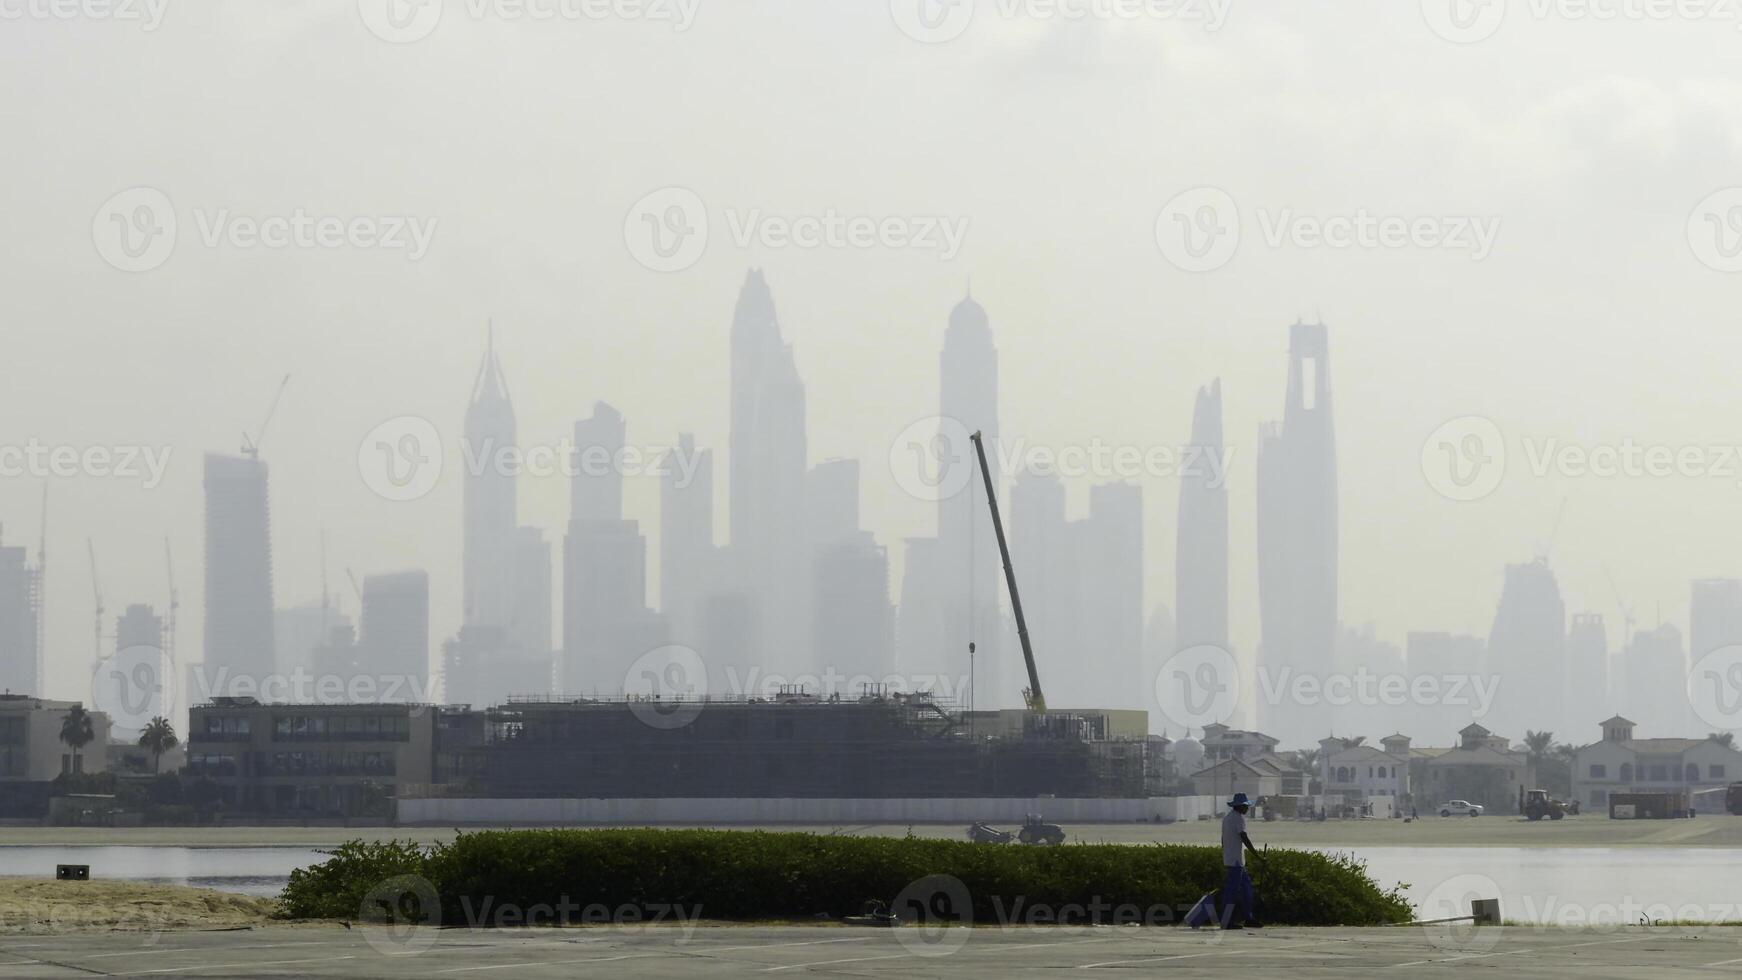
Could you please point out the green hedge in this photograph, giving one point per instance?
(761, 875)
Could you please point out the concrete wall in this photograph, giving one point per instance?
(451, 812)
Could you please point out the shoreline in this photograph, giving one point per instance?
(1713, 831)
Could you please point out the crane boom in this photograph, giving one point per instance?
(1036, 700)
(251, 445)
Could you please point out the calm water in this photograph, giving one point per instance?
(1569, 886)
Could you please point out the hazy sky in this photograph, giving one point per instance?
(527, 142)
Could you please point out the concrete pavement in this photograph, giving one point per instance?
(633, 953)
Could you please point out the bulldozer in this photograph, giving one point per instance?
(1538, 804)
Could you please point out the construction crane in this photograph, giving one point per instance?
(174, 604)
(1626, 609)
(97, 594)
(251, 445)
(1033, 697)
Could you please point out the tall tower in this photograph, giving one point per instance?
(1297, 535)
(767, 476)
(393, 636)
(1527, 651)
(20, 654)
(686, 536)
(490, 509)
(1201, 555)
(239, 639)
(972, 575)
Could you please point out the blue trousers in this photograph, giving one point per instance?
(1237, 896)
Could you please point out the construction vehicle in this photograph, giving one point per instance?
(1538, 804)
(1033, 697)
(1034, 830)
(1733, 798)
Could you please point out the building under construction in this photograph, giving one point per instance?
(21, 620)
(795, 745)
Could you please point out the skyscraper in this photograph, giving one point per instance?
(1655, 666)
(1527, 651)
(393, 636)
(686, 537)
(1201, 552)
(606, 621)
(20, 653)
(1297, 537)
(767, 475)
(1113, 597)
(239, 641)
(490, 507)
(852, 622)
(1588, 694)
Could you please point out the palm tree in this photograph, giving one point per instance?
(159, 737)
(1726, 739)
(1537, 745)
(77, 732)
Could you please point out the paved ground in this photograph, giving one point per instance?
(716, 951)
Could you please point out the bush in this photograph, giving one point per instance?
(761, 875)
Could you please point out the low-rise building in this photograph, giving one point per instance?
(1481, 769)
(1359, 772)
(31, 749)
(310, 759)
(1620, 763)
(1256, 779)
(1221, 742)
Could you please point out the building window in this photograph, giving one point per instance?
(1627, 772)
(1660, 774)
(1715, 772)
(1599, 771)
(1692, 772)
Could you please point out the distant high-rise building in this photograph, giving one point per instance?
(1445, 656)
(606, 621)
(1527, 651)
(1655, 667)
(529, 608)
(686, 537)
(852, 620)
(139, 625)
(1046, 549)
(832, 501)
(1297, 536)
(1714, 623)
(393, 636)
(767, 476)
(490, 506)
(1113, 598)
(239, 642)
(20, 653)
(1588, 693)
(299, 630)
(1201, 553)
(968, 402)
